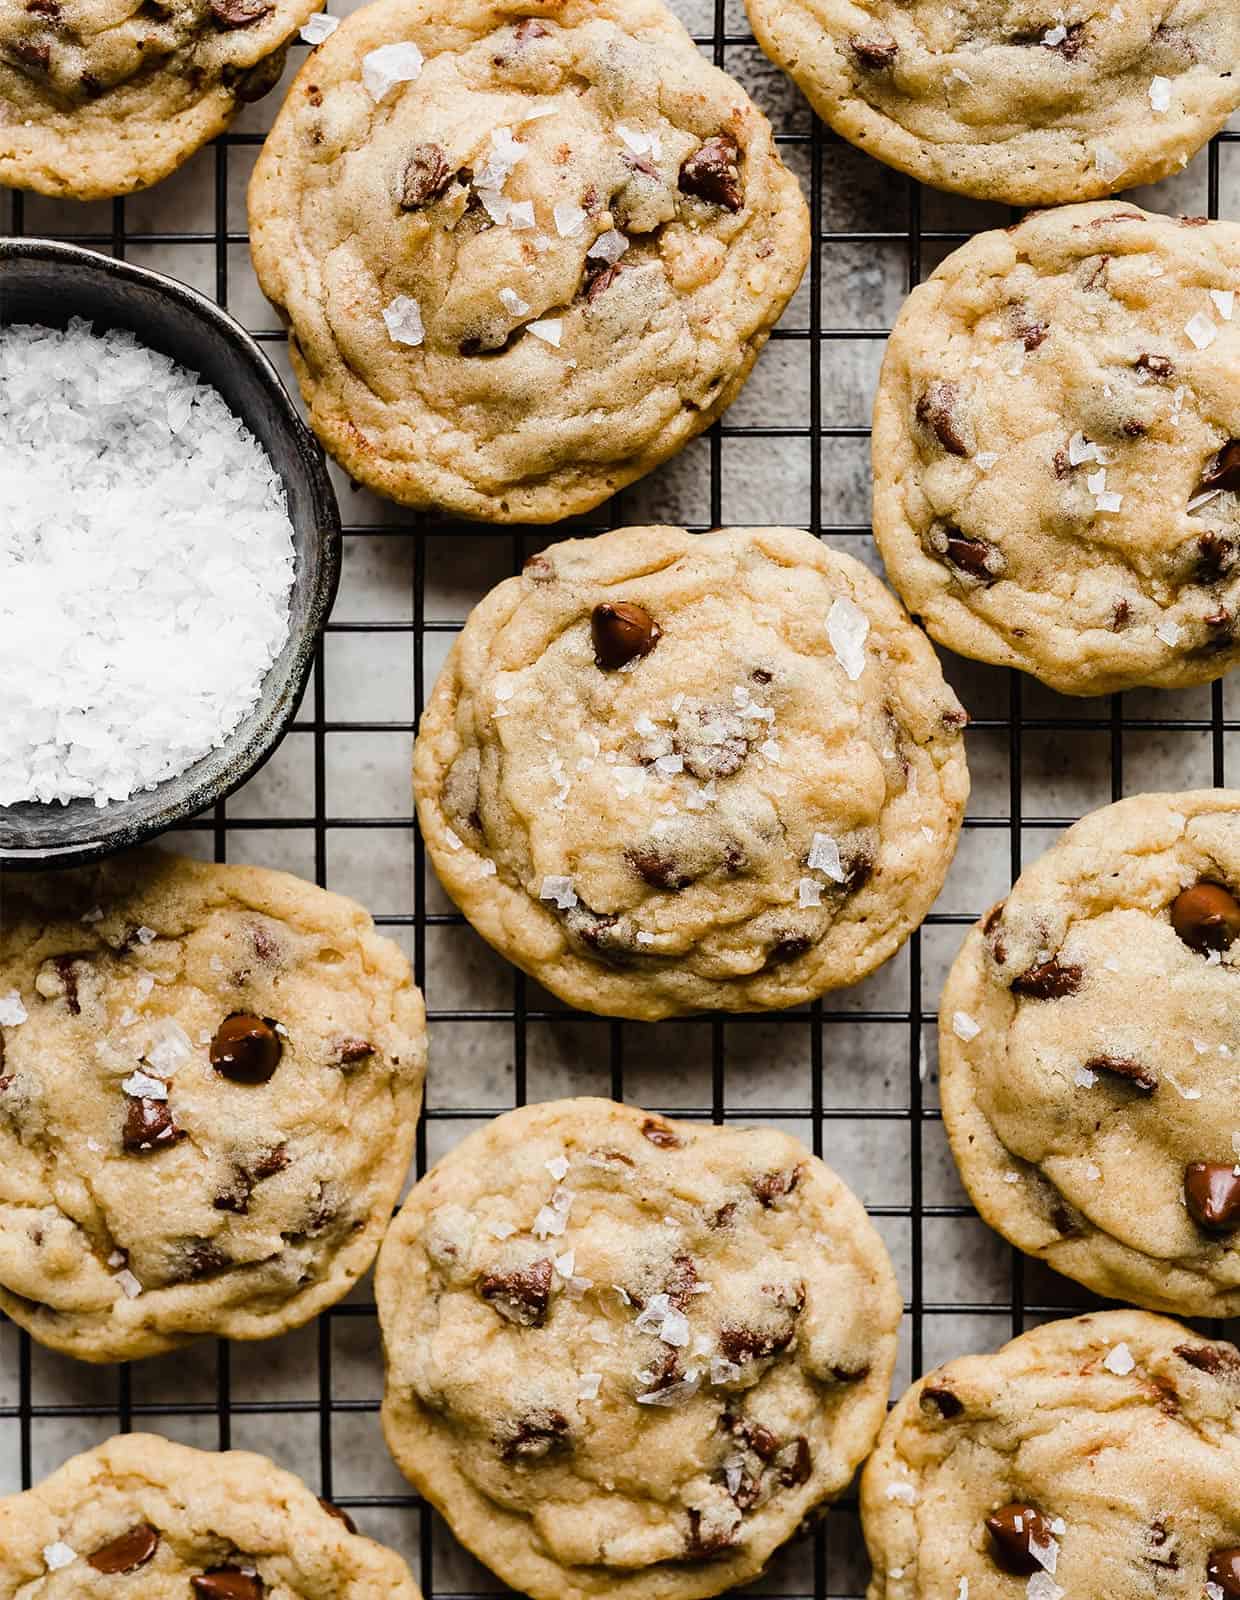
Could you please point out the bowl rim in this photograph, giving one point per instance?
(263, 743)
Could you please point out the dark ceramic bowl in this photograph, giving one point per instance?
(49, 283)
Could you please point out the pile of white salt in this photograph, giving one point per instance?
(146, 560)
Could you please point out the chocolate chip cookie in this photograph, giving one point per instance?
(628, 1356)
(1091, 1459)
(102, 97)
(1057, 449)
(142, 1516)
(1089, 1051)
(209, 1080)
(1021, 101)
(528, 251)
(664, 772)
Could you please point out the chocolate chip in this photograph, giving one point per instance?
(529, 29)
(1133, 428)
(340, 1516)
(228, 1583)
(66, 967)
(621, 633)
(350, 1051)
(794, 1463)
(126, 1554)
(1030, 333)
(1162, 1552)
(975, 557)
(534, 1436)
(661, 1135)
(659, 868)
(1216, 556)
(425, 176)
(1122, 1067)
(1212, 1193)
(938, 1399)
(271, 1161)
(598, 282)
(788, 947)
(724, 1216)
(740, 1344)
(1206, 917)
(681, 1282)
(772, 1186)
(713, 173)
(1223, 1570)
(876, 52)
(238, 13)
(1216, 1360)
(1013, 1530)
(1071, 46)
(149, 1126)
(1048, 980)
(1224, 471)
(1160, 368)
(704, 1543)
(711, 742)
(36, 56)
(246, 1048)
(520, 1296)
(1121, 616)
(937, 410)
(199, 1258)
(44, 8)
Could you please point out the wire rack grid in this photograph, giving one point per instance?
(853, 1075)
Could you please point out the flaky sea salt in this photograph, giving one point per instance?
(964, 1027)
(1119, 1361)
(569, 219)
(130, 1286)
(824, 856)
(513, 303)
(390, 64)
(548, 329)
(1225, 302)
(146, 559)
(1160, 94)
(847, 629)
(560, 890)
(608, 247)
(58, 1555)
(12, 1011)
(1202, 330)
(903, 1493)
(588, 1385)
(144, 1086)
(403, 318)
(809, 892)
(319, 27)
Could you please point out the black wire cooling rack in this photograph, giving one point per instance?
(865, 1056)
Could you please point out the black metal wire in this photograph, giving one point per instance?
(834, 1549)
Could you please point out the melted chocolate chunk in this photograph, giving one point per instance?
(1160, 368)
(1048, 980)
(149, 1126)
(937, 1399)
(1212, 1194)
(66, 968)
(772, 1186)
(1032, 334)
(658, 1133)
(794, 1463)
(712, 173)
(621, 633)
(126, 1554)
(1206, 917)
(659, 868)
(424, 177)
(521, 1296)
(937, 411)
(598, 282)
(681, 1283)
(1216, 1360)
(790, 947)
(703, 1543)
(238, 13)
(228, 1583)
(1223, 1570)
(199, 1258)
(1014, 1529)
(1216, 556)
(877, 51)
(534, 1436)
(340, 1516)
(1224, 471)
(1121, 616)
(38, 57)
(350, 1051)
(1129, 1071)
(246, 1048)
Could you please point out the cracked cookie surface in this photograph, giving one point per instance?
(1089, 1057)
(627, 1356)
(1019, 101)
(102, 97)
(535, 267)
(1095, 1458)
(141, 1515)
(1057, 449)
(664, 772)
(209, 1082)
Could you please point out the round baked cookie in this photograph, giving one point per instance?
(209, 1081)
(627, 1356)
(1014, 100)
(1096, 1459)
(1057, 449)
(664, 772)
(101, 97)
(141, 1516)
(528, 248)
(1089, 1051)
